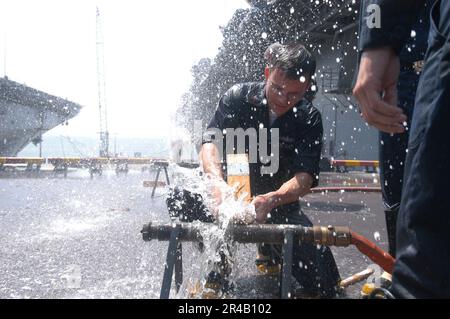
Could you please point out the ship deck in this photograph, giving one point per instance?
(55, 229)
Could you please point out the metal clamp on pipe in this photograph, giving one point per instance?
(332, 235)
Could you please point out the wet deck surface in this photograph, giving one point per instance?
(80, 238)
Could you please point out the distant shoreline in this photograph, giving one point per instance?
(67, 146)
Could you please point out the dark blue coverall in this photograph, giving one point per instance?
(422, 268)
(392, 149)
(300, 142)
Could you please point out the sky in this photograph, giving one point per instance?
(149, 49)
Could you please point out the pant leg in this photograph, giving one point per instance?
(392, 155)
(392, 151)
(422, 269)
(313, 267)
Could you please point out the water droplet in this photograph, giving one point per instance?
(377, 236)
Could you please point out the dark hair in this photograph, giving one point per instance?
(292, 58)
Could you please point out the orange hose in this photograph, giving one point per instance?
(375, 253)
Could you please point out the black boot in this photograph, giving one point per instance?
(391, 226)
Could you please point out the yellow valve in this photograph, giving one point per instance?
(367, 288)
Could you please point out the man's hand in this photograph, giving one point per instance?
(376, 90)
(263, 205)
(289, 192)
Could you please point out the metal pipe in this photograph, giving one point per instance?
(363, 275)
(276, 234)
(254, 233)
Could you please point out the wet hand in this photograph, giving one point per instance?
(376, 90)
(263, 206)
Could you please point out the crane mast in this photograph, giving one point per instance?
(103, 115)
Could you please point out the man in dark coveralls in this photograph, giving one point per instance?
(392, 148)
(280, 103)
(422, 268)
